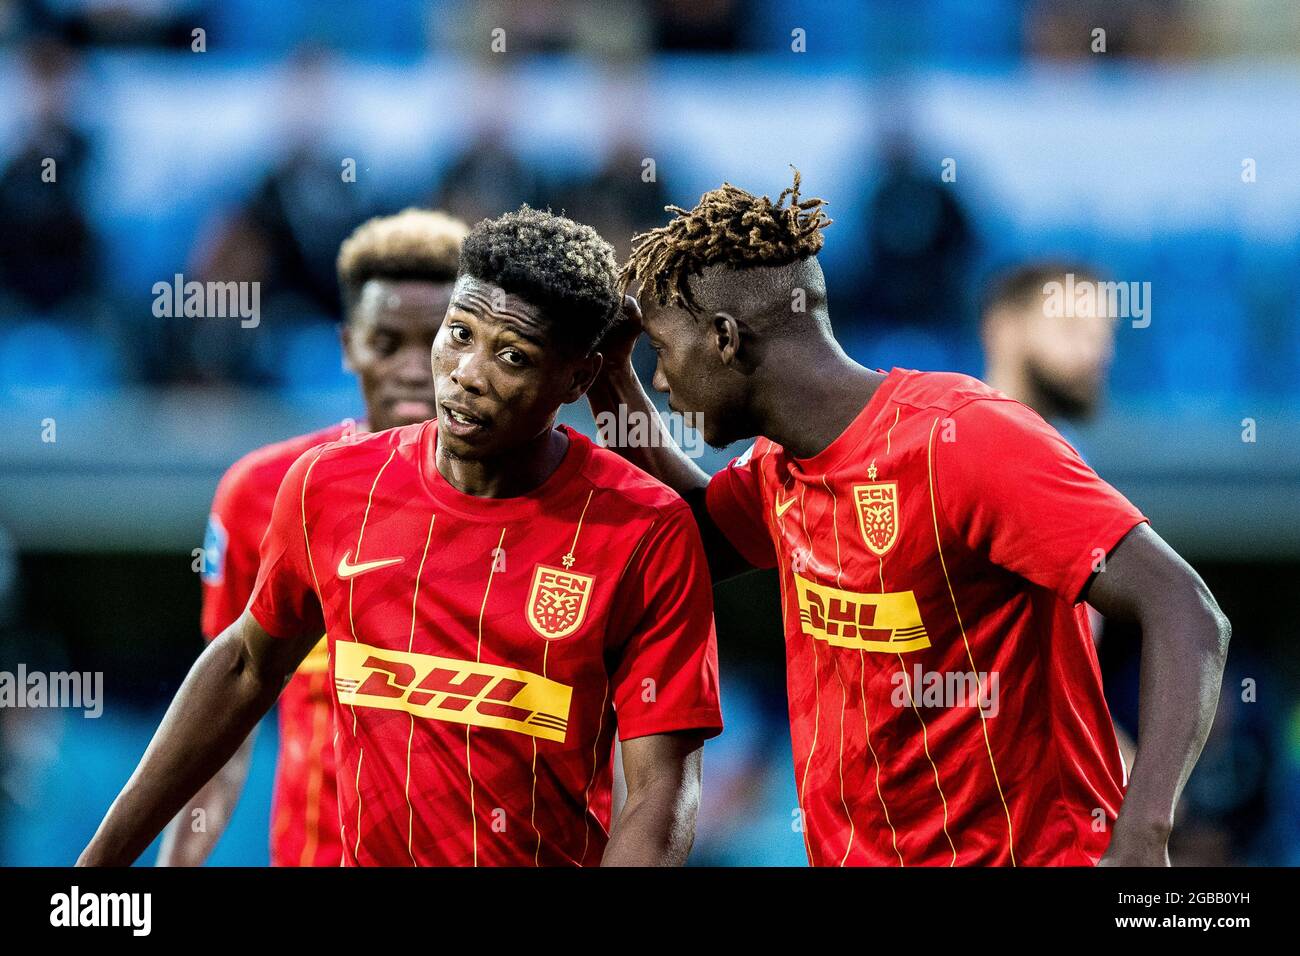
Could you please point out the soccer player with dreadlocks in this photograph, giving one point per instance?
(934, 542)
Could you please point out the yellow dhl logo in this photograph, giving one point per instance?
(889, 623)
(442, 688)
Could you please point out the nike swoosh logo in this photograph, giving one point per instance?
(352, 570)
(783, 506)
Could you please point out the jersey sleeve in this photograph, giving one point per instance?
(230, 545)
(735, 502)
(284, 597)
(1009, 487)
(664, 673)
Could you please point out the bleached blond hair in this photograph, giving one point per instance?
(413, 244)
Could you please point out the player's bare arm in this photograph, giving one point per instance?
(656, 826)
(1184, 645)
(618, 385)
(182, 843)
(228, 690)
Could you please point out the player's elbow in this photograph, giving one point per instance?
(1204, 624)
(1222, 627)
(684, 813)
(246, 675)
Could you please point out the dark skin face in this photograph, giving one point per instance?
(386, 343)
(703, 364)
(500, 379)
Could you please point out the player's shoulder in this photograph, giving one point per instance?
(951, 393)
(262, 469)
(622, 484)
(356, 448)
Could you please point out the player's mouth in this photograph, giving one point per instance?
(412, 409)
(461, 422)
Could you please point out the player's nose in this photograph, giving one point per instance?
(414, 368)
(468, 372)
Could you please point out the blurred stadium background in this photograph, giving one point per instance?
(226, 164)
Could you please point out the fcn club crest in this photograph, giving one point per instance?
(877, 505)
(558, 601)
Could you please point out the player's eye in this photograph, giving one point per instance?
(385, 344)
(514, 357)
(459, 333)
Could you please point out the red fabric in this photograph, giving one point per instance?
(484, 651)
(945, 493)
(304, 808)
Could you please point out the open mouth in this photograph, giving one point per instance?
(412, 409)
(461, 423)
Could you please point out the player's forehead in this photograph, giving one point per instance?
(487, 302)
(404, 302)
(659, 320)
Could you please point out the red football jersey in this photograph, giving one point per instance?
(484, 650)
(304, 808)
(945, 700)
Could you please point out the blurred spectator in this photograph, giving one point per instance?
(918, 243)
(285, 236)
(614, 29)
(487, 179)
(128, 22)
(696, 25)
(47, 250)
(1064, 29)
(618, 200)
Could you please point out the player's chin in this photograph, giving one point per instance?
(469, 443)
(713, 435)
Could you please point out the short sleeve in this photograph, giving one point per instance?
(230, 551)
(735, 502)
(1012, 489)
(664, 672)
(284, 599)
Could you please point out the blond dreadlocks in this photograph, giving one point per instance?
(728, 226)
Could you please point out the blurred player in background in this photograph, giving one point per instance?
(934, 541)
(500, 597)
(397, 274)
(1055, 363)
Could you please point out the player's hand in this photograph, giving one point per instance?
(619, 341)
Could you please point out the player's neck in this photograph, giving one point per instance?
(527, 467)
(1009, 378)
(812, 398)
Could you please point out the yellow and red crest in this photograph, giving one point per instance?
(877, 506)
(557, 603)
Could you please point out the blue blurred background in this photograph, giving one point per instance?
(1173, 157)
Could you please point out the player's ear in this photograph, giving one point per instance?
(584, 374)
(725, 336)
(345, 341)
